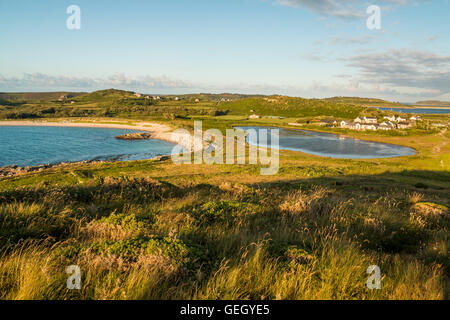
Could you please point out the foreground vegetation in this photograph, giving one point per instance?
(155, 230)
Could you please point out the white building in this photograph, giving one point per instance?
(355, 126)
(386, 126)
(371, 120)
(344, 124)
(404, 125)
(391, 124)
(369, 126)
(328, 123)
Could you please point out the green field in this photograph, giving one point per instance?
(156, 230)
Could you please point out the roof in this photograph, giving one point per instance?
(328, 121)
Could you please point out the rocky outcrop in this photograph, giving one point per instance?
(161, 158)
(135, 136)
(14, 170)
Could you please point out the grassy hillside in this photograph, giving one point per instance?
(292, 107)
(104, 96)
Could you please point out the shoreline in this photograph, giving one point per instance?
(349, 136)
(13, 171)
(157, 131)
(346, 136)
(418, 106)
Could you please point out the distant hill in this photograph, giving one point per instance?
(434, 103)
(37, 96)
(362, 101)
(121, 94)
(215, 96)
(104, 95)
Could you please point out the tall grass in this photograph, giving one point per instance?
(140, 238)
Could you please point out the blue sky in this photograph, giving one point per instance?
(309, 48)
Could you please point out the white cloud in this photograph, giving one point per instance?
(40, 81)
(355, 40)
(400, 75)
(344, 9)
(410, 70)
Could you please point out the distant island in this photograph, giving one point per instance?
(434, 103)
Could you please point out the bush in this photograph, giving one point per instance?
(129, 222)
(224, 212)
(421, 185)
(131, 249)
(216, 112)
(49, 111)
(22, 115)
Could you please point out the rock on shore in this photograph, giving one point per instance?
(135, 136)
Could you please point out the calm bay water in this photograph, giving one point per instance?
(331, 145)
(29, 146)
(417, 110)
